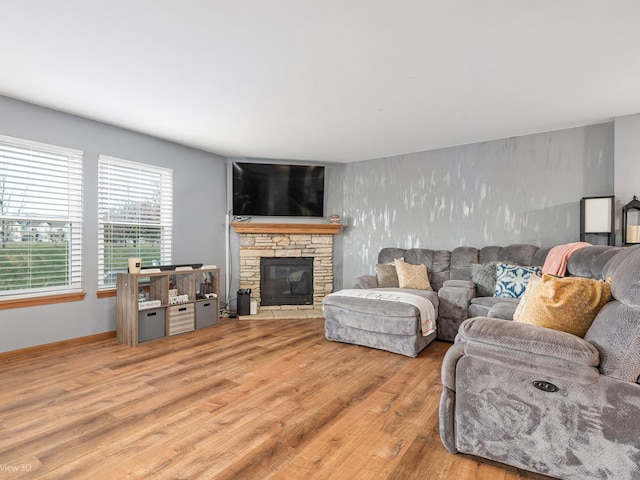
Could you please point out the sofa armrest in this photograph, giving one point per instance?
(531, 348)
(366, 281)
(459, 284)
(455, 297)
(448, 397)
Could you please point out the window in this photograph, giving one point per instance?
(40, 218)
(135, 204)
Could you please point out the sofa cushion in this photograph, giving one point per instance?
(477, 311)
(616, 334)
(519, 254)
(625, 284)
(438, 264)
(503, 310)
(389, 254)
(489, 302)
(462, 260)
(568, 304)
(387, 275)
(616, 330)
(580, 263)
(412, 276)
(609, 269)
(483, 306)
(602, 259)
(489, 254)
(540, 256)
(511, 280)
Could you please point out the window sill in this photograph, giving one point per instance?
(44, 300)
(106, 293)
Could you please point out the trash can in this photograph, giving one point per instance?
(244, 301)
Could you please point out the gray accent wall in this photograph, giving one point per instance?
(627, 174)
(199, 214)
(334, 204)
(516, 190)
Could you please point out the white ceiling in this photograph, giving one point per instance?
(327, 80)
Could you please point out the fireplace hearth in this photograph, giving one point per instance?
(286, 281)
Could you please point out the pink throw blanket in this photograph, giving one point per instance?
(558, 257)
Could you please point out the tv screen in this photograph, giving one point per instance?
(261, 189)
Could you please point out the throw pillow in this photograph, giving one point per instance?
(533, 282)
(412, 276)
(484, 276)
(511, 280)
(387, 275)
(568, 304)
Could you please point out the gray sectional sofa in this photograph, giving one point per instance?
(450, 274)
(394, 327)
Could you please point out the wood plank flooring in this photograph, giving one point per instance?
(250, 399)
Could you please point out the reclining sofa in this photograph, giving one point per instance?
(548, 401)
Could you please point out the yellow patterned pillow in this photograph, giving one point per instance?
(412, 276)
(531, 284)
(568, 304)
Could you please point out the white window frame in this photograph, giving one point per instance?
(125, 182)
(41, 205)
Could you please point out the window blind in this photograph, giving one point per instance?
(40, 218)
(135, 216)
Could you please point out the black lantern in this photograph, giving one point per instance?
(597, 218)
(631, 222)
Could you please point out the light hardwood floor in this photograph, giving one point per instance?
(250, 399)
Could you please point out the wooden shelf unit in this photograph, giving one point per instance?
(135, 325)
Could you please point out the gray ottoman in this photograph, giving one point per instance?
(385, 325)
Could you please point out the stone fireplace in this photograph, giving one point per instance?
(293, 241)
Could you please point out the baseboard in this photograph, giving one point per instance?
(23, 352)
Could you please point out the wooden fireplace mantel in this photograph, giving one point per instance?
(291, 228)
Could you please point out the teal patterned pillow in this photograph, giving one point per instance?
(511, 280)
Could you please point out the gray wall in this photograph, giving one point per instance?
(199, 208)
(627, 174)
(334, 204)
(517, 190)
(524, 189)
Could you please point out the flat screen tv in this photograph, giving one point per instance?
(261, 189)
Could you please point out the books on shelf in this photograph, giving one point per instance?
(146, 304)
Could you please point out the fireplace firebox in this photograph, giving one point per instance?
(286, 281)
